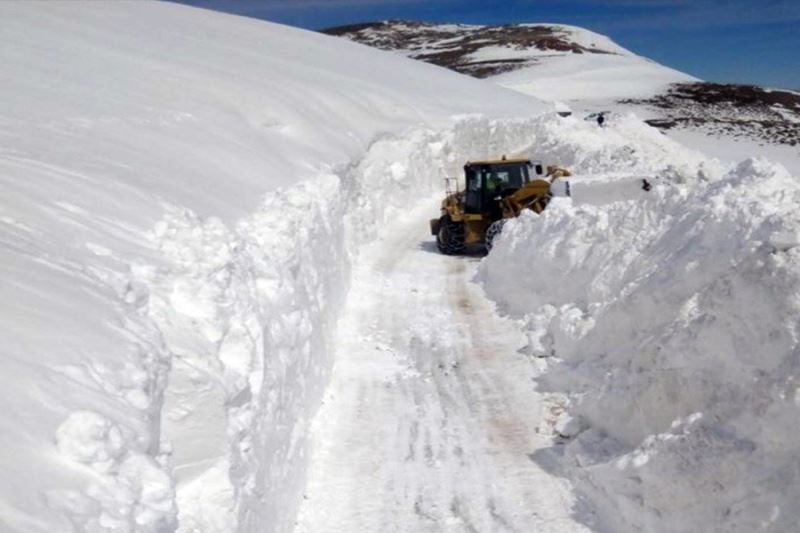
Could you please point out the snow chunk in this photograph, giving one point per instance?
(131, 494)
(91, 439)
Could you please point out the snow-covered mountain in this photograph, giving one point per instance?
(550, 61)
(770, 116)
(480, 51)
(589, 73)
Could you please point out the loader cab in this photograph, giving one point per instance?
(487, 181)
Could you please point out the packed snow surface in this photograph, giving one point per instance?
(431, 415)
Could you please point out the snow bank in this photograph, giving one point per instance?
(673, 322)
(183, 191)
(625, 146)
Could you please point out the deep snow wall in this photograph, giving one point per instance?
(671, 320)
(182, 192)
(249, 313)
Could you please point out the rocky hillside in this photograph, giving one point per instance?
(735, 110)
(479, 51)
(590, 72)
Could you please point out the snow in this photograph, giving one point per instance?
(570, 34)
(183, 196)
(590, 39)
(128, 483)
(589, 83)
(568, 77)
(430, 416)
(208, 219)
(583, 37)
(670, 319)
(730, 149)
(613, 74)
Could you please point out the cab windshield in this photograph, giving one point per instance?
(499, 177)
(484, 182)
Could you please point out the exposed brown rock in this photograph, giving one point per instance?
(442, 46)
(772, 116)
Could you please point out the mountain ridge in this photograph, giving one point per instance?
(589, 72)
(463, 47)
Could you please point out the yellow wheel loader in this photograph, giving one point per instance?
(495, 191)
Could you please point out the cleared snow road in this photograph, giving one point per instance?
(431, 414)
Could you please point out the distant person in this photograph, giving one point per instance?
(601, 119)
(493, 184)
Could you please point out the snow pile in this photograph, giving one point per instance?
(626, 145)
(183, 193)
(673, 322)
(132, 491)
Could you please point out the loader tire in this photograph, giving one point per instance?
(494, 229)
(450, 239)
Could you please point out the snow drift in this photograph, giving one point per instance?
(182, 193)
(673, 321)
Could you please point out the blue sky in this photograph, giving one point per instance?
(740, 41)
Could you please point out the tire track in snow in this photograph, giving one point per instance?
(431, 414)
